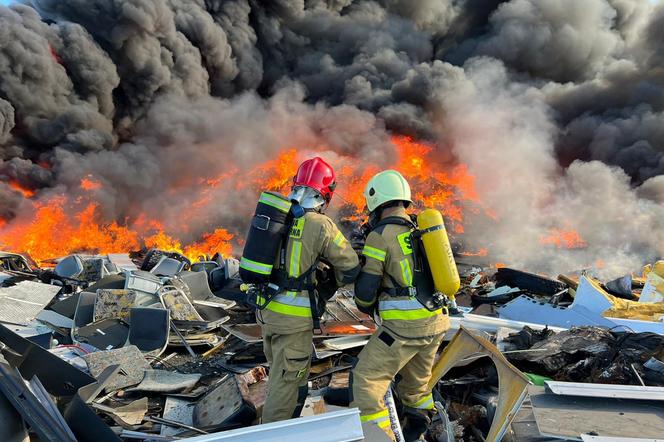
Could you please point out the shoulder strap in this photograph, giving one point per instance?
(290, 220)
(395, 220)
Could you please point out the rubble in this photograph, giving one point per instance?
(162, 348)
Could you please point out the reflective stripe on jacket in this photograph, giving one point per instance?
(311, 237)
(389, 259)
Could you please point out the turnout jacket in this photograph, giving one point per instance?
(389, 259)
(311, 237)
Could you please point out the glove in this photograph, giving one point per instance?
(326, 282)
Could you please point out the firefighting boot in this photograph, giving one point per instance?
(416, 423)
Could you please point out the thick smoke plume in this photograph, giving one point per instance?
(555, 106)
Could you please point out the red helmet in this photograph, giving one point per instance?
(318, 175)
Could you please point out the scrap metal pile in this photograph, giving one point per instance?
(152, 346)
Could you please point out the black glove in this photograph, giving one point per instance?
(326, 283)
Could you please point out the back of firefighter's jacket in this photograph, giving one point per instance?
(389, 259)
(311, 237)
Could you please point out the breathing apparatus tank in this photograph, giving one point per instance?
(439, 253)
(269, 227)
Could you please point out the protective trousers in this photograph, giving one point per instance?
(289, 356)
(384, 356)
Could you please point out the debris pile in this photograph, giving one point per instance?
(152, 346)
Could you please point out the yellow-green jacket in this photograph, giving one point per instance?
(311, 237)
(389, 259)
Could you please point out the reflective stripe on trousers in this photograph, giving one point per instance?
(426, 403)
(382, 418)
(404, 309)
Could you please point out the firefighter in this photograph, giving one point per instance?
(409, 335)
(289, 318)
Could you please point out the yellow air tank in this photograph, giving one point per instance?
(439, 252)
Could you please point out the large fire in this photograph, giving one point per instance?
(61, 225)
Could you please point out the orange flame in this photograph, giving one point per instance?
(51, 232)
(27, 193)
(563, 239)
(277, 174)
(480, 252)
(88, 183)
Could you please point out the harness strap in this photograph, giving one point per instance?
(395, 220)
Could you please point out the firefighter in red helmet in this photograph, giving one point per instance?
(289, 318)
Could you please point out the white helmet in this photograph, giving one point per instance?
(386, 186)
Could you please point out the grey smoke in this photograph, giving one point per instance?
(6, 120)
(555, 106)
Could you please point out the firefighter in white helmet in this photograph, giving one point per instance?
(410, 334)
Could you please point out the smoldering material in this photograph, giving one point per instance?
(544, 100)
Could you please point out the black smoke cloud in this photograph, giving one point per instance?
(548, 102)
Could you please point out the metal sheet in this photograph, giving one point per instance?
(127, 415)
(589, 304)
(651, 289)
(225, 402)
(59, 377)
(146, 284)
(606, 390)
(122, 261)
(524, 308)
(82, 419)
(639, 326)
(489, 324)
(13, 428)
(21, 303)
(167, 266)
(55, 319)
(572, 416)
(346, 342)
(589, 438)
(512, 383)
(336, 426)
(592, 296)
(37, 415)
(321, 352)
(46, 400)
(251, 333)
(163, 381)
(131, 362)
(177, 410)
